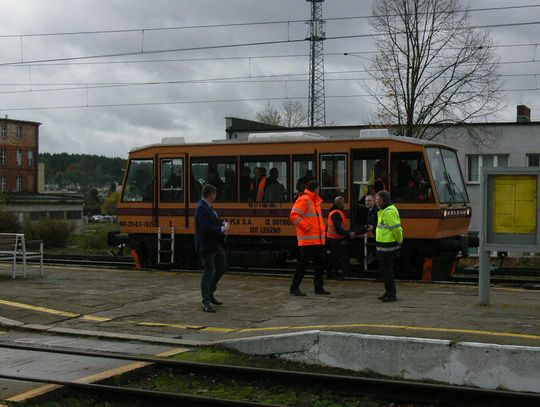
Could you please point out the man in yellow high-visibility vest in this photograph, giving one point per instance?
(389, 237)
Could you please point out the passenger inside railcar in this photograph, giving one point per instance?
(246, 184)
(302, 181)
(415, 188)
(259, 184)
(275, 191)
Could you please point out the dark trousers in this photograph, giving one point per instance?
(339, 255)
(386, 270)
(313, 253)
(213, 266)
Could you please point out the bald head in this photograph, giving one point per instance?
(339, 202)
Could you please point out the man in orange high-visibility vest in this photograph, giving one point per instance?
(306, 215)
(337, 235)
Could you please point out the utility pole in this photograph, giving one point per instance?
(317, 35)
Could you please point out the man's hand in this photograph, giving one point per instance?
(369, 228)
(352, 235)
(226, 227)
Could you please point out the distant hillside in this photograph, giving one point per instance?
(83, 169)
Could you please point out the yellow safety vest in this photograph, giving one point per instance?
(389, 233)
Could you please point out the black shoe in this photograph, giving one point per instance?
(389, 299)
(208, 308)
(215, 301)
(297, 293)
(321, 291)
(382, 297)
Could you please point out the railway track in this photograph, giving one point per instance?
(396, 390)
(523, 277)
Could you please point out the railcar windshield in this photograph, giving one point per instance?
(139, 184)
(447, 175)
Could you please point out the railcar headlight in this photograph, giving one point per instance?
(445, 213)
(468, 211)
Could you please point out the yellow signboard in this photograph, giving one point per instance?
(515, 204)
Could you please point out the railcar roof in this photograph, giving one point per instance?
(408, 140)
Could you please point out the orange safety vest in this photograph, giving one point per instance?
(260, 189)
(331, 231)
(306, 215)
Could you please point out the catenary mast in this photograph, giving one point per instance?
(316, 36)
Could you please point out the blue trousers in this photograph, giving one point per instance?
(213, 265)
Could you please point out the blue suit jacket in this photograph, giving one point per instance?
(208, 234)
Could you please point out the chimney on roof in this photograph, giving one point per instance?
(523, 114)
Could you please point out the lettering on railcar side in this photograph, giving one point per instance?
(136, 224)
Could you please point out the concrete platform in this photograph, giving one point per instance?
(167, 305)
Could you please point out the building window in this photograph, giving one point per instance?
(73, 214)
(38, 215)
(3, 157)
(3, 183)
(3, 130)
(476, 162)
(19, 185)
(30, 158)
(533, 160)
(19, 131)
(19, 157)
(56, 215)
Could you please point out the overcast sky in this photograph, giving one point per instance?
(113, 131)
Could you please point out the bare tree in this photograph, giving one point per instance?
(432, 67)
(291, 114)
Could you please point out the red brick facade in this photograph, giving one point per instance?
(19, 143)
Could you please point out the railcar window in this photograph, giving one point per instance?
(333, 178)
(447, 175)
(264, 179)
(303, 172)
(217, 171)
(410, 181)
(172, 175)
(139, 184)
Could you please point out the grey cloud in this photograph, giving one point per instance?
(115, 130)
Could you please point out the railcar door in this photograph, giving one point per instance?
(171, 202)
(369, 175)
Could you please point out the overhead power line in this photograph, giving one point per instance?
(180, 102)
(225, 46)
(243, 24)
(224, 80)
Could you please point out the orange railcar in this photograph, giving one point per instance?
(163, 181)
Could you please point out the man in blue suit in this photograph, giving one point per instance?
(210, 233)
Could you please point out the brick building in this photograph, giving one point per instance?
(19, 141)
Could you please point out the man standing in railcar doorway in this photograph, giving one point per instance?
(306, 215)
(210, 233)
(389, 237)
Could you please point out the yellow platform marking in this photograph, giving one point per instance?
(52, 311)
(39, 391)
(39, 309)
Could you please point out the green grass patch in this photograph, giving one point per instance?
(92, 241)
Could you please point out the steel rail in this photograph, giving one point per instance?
(402, 390)
(140, 397)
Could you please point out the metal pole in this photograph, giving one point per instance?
(484, 274)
